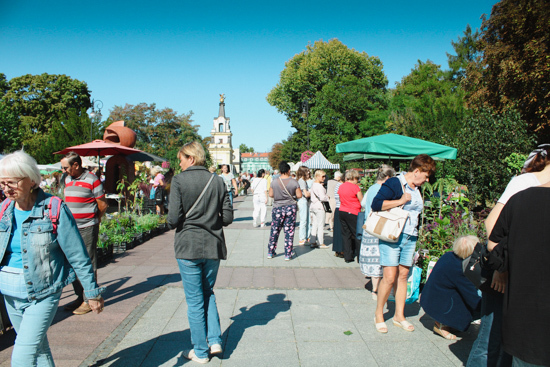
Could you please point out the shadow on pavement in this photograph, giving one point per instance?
(242, 219)
(162, 349)
(462, 345)
(256, 315)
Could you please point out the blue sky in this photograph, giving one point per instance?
(183, 54)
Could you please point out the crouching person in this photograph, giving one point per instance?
(448, 296)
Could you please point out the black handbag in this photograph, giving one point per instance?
(326, 205)
(474, 269)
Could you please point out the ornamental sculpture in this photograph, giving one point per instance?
(117, 133)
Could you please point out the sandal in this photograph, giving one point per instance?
(381, 327)
(405, 325)
(441, 330)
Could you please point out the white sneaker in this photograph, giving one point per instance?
(216, 349)
(190, 354)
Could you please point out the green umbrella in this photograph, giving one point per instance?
(392, 146)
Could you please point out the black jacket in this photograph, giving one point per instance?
(199, 236)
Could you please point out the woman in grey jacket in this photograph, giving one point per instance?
(199, 208)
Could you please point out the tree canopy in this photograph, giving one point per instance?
(39, 101)
(516, 62)
(243, 148)
(345, 91)
(161, 132)
(427, 105)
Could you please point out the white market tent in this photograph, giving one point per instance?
(318, 161)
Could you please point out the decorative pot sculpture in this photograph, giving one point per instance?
(117, 133)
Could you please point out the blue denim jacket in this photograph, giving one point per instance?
(50, 261)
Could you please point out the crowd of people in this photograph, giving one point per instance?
(47, 243)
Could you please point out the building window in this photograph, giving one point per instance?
(221, 127)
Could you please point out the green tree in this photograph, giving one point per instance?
(162, 132)
(243, 148)
(345, 90)
(515, 63)
(426, 104)
(484, 142)
(4, 85)
(39, 101)
(10, 139)
(71, 128)
(468, 54)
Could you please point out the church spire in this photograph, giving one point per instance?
(222, 106)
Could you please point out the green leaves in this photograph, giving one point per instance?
(347, 96)
(161, 132)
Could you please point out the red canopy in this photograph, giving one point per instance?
(99, 147)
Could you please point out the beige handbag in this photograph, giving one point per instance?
(387, 225)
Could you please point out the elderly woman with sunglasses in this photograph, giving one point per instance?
(40, 251)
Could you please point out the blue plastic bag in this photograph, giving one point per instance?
(413, 284)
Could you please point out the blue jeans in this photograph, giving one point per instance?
(31, 321)
(199, 277)
(487, 349)
(303, 208)
(519, 363)
(230, 192)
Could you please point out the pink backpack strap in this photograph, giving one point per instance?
(54, 207)
(4, 206)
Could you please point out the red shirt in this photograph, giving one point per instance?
(348, 198)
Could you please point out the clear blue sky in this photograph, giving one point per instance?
(183, 54)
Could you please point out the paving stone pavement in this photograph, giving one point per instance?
(311, 311)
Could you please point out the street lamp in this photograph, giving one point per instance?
(305, 112)
(99, 105)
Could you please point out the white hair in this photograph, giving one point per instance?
(464, 246)
(155, 170)
(20, 164)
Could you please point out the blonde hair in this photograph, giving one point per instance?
(193, 149)
(464, 246)
(155, 170)
(352, 175)
(319, 173)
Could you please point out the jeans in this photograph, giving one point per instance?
(230, 192)
(519, 363)
(31, 321)
(305, 225)
(487, 349)
(317, 226)
(198, 277)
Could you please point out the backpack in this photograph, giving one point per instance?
(53, 206)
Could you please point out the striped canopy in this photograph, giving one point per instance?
(318, 161)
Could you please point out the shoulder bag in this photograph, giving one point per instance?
(387, 225)
(326, 204)
(284, 187)
(200, 196)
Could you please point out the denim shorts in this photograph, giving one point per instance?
(398, 253)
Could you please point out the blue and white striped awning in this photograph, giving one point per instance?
(318, 161)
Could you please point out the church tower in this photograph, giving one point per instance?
(220, 147)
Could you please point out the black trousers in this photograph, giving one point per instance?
(349, 241)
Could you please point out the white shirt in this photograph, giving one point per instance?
(517, 184)
(259, 186)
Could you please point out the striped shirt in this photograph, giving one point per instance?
(80, 196)
(336, 196)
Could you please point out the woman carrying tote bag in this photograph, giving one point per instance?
(397, 258)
